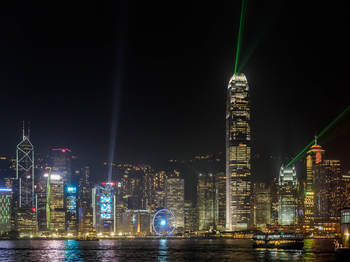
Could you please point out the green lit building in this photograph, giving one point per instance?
(5, 210)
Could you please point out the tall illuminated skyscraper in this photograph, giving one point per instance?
(104, 208)
(205, 201)
(174, 198)
(55, 204)
(61, 163)
(287, 196)
(220, 201)
(313, 164)
(238, 156)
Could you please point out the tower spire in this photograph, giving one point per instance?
(315, 138)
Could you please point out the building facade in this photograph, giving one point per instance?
(174, 198)
(220, 201)
(71, 206)
(55, 204)
(205, 201)
(313, 164)
(287, 196)
(104, 208)
(5, 210)
(190, 214)
(238, 154)
(262, 206)
(61, 163)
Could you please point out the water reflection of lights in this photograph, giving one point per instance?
(279, 254)
(71, 250)
(163, 250)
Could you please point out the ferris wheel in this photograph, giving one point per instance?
(164, 222)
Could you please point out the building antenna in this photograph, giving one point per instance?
(315, 138)
(28, 129)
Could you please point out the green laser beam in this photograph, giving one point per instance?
(263, 26)
(240, 32)
(336, 132)
(320, 135)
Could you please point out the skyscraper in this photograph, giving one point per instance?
(287, 196)
(104, 208)
(205, 201)
(71, 205)
(175, 198)
(5, 210)
(238, 156)
(220, 201)
(61, 163)
(25, 171)
(313, 164)
(262, 205)
(55, 204)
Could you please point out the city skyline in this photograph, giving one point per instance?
(60, 75)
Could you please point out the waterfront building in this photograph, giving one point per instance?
(128, 221)
(55, 204)
(313, 162)
(220, 201)
(40, 192)
(301, 199)
(85, 188)
(274, 201)
(104, 208)
(137, 222)
(26, 222)
(25, 171)
(85, 223)
(205, 201)
(345, 190)
(61, 163)
(238, 154)
(190, 214)
(345, 226)
(287, 196)
(119, 207)
(174, 198)
(5, 210)
(71, 206)
(328, 190)
(262, 205)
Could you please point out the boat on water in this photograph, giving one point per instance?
(278, 240)
(87, 239)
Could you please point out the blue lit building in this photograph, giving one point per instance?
(104, 208)
(71, 205)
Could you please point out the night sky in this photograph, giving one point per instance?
(165, 67)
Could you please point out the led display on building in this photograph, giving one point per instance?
(71, 189)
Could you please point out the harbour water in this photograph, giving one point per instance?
(159, 250)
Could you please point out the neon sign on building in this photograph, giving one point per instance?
(318, 157)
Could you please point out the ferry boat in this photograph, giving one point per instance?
(84, 238)
(278, 240)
